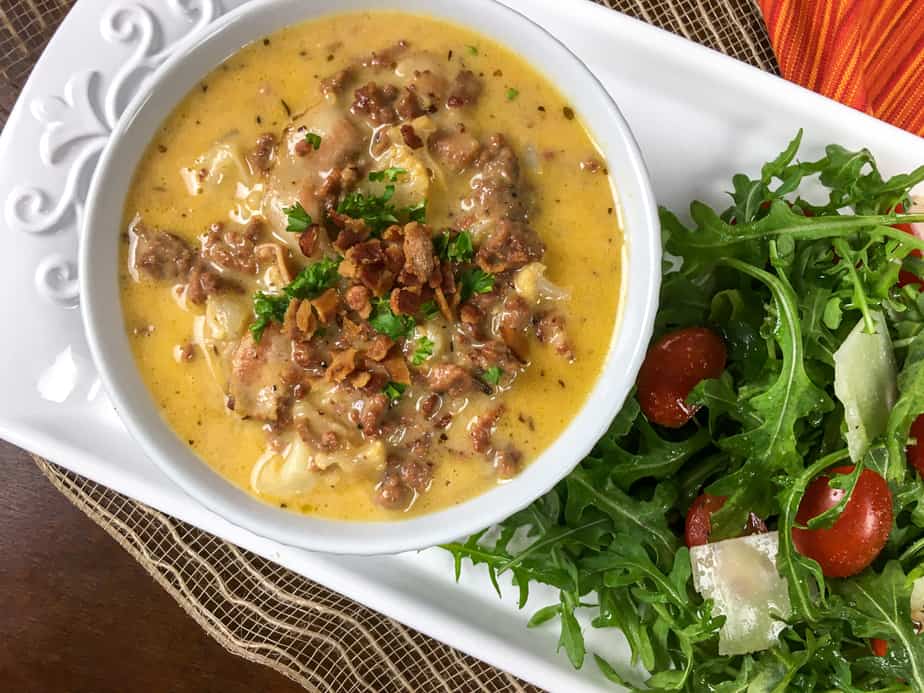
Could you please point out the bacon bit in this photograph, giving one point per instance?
(342, 365)
(470, 314)
(448, 280)
(398, 370)
(304, 319)
(359, 298)
(394, 256)
(419, 262)
(517, 342)
(380, 347)
(347, 268)
(361, 379)
(352, 231)
(308, 240)
(406, 301)
(411, 138)
(395, 232)
(326, 305)
(445, 308)
(350, 331)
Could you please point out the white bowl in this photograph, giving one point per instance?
(99, 286)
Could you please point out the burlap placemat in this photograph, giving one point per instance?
(257, 609)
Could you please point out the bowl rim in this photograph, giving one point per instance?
(111, 352)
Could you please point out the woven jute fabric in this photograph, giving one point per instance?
(253, 607)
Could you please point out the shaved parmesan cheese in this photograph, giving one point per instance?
(917, 601)
(741, 579)
(864, 382)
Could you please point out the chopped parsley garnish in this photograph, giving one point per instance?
(429, 309)
(311, 282)
(394, 390)
(474, 281)
(385, 321)
(493, 375)
(417, 212)
(389, 174)
(473, 50)
(266, 309)
(375, 210)
(512, 93)
(423, 351)
(299, 219)
(456, 248)
(314, 139)
(315, 279)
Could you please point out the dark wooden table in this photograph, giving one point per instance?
(78, 615)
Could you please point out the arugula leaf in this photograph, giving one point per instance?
(474, 281)
(298, 219)
(384, 320)
(783, 279)
(423, 351)
(909, 406)
(878, 606)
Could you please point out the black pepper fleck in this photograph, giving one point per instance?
(568, 112)
(266, 42)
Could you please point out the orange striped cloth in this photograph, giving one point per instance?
(868, 54)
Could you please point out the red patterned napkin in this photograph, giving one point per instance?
(868, 54)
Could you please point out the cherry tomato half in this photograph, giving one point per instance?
(879, 646)
(915, 452)
(674, 365)
(699, 520)
(858, 535)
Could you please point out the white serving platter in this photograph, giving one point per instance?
(699, 117)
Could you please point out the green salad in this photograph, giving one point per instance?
(754, 518)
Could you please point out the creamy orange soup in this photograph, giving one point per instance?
(371, 266)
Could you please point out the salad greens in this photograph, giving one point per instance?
(784, 274)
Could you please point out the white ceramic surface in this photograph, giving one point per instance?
(699, 117)
(99, 292)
